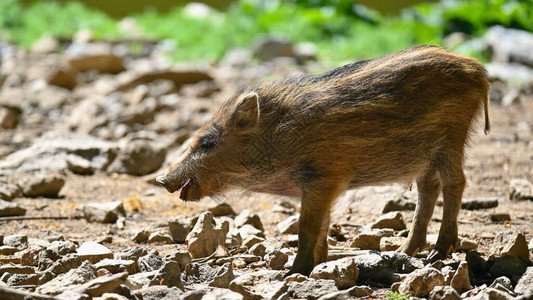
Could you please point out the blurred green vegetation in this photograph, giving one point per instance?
(341, 30)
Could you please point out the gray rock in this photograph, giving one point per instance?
(311, 289)
(248, 230)
(107, 212)
(182, 257)
(510, 45)
(268, 48)
(233, 238)
(170, 274)
(8, 209)
(94, 252)
(50, 153)
(41, 184)
(510, 73)
(45, 45)
(262, 284)
(117, 265)
(526, 282)
(8, 191)
(236, 58)
(421, 282)
(356, 291)
(277, 258)
(140, 236)
(23, 279)
(205, 237)
(391, 243)
(179, 227)
(224, 276)
(133, 253)
(138, 157)
(503, 281)
(444, 293)
(466, 245)
(400, 204)
(9, 116)
(520, 189)
(16, 240)
(343, 271)
(179, 76)
(94, 56)
(370, 240)
(64, 264)
(150, 262)
(222, 209)
(289, 225)
(69, 280)
(461, 281)
(199, 273)
(222, 294)
(161, 238)
(393, 220)
(158, 292)
(252, 240)
(510, 243)
(143, 280)
(248, 218)
(258, 249)
(60, 248)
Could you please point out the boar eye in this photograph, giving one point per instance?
(207, 142)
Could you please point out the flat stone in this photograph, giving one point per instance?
(107, 212)
(370, 240)
(140, 236)
(23, 279)
(311, 289)
(133, 253)
(248, 230)
(444, 293)
(258, 285)
(16, 269)
(222, 294)
(476, 204)
(466, 245)
(94, 252)
(391, 243)
(393, 220)
(289, 225)
(499, 217)
(117, 265)
(400, 204)
(16, 240)
(252, 240)
(343, 271)
(8, 250)
(69, 280)
(9, 209)
(158, 292)
(421, 282)
(41, 185)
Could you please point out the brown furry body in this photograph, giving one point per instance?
(398, 118)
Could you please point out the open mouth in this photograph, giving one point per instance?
(190, 191)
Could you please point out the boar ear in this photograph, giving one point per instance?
(247, 112)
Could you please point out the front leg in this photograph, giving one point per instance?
(314, 211)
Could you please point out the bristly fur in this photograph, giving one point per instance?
(398, 118)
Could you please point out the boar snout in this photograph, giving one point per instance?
(162, 180)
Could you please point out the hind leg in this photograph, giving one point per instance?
(453, 184)
(428, 186)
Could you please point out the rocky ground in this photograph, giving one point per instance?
(85, 131)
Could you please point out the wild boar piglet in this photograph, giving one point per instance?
(398, 118)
